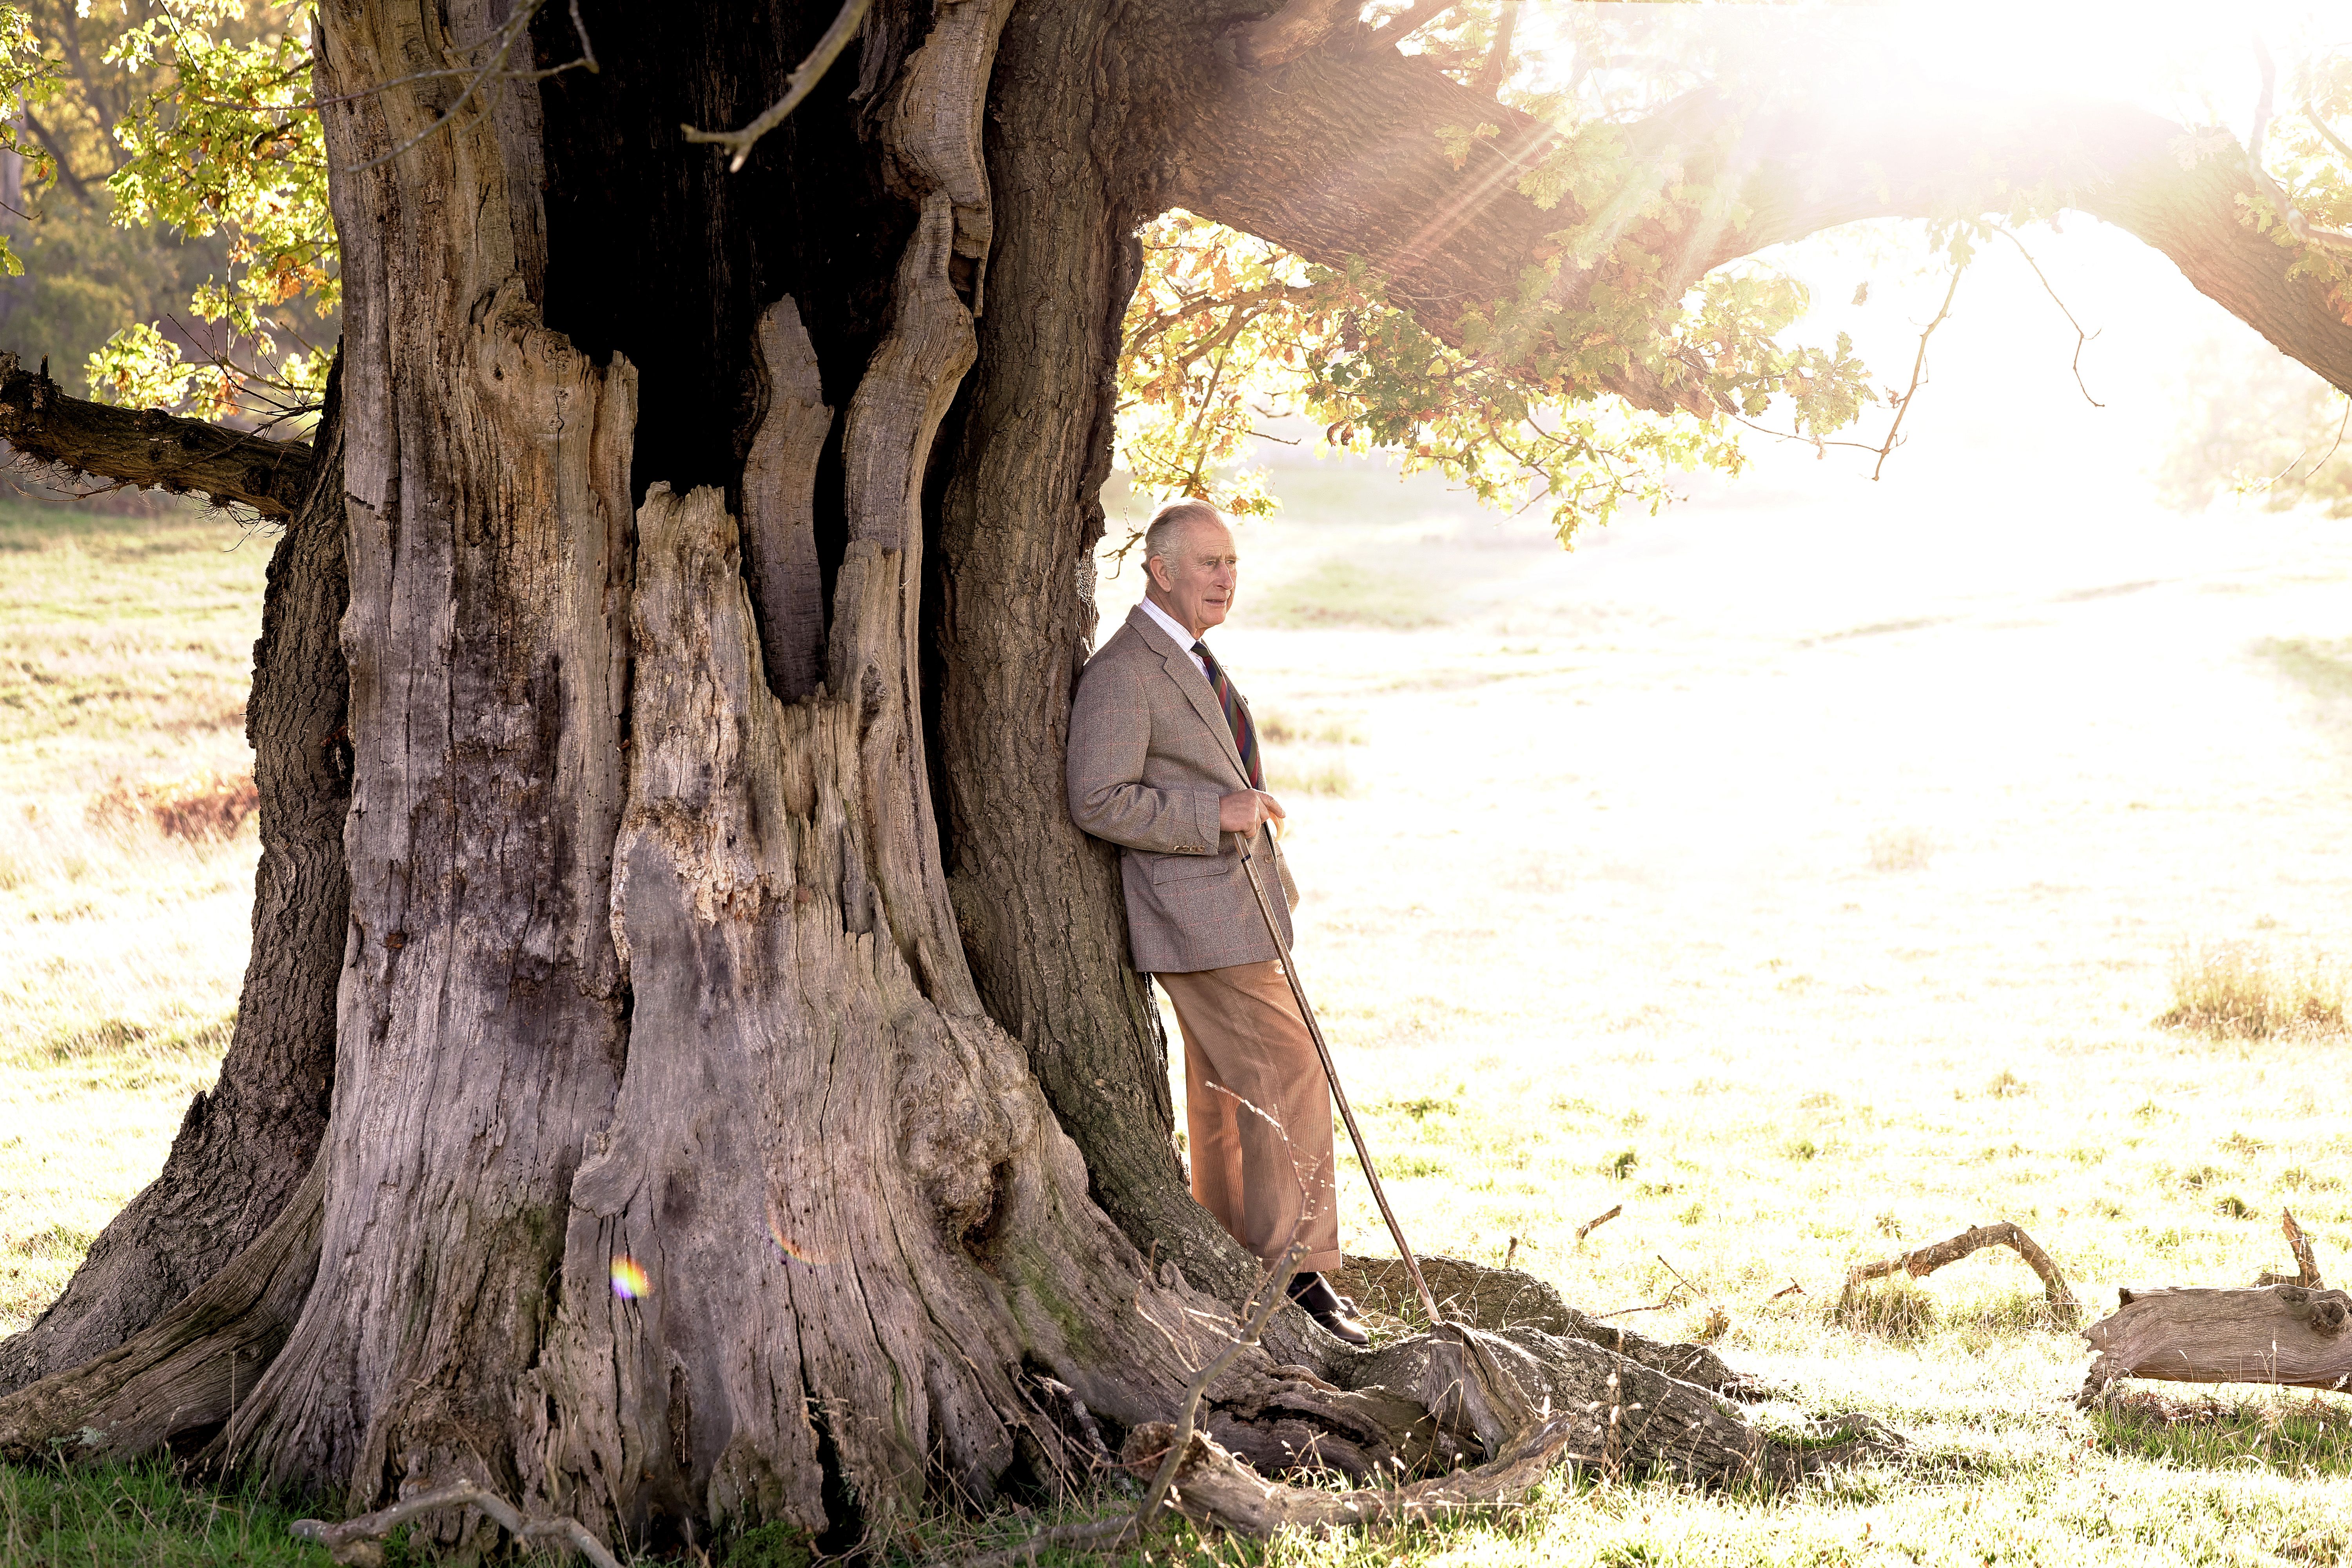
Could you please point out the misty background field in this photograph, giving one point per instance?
(1806, 870)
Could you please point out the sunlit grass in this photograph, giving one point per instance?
(128, 644)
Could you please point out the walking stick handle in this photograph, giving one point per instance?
(1332, 1076)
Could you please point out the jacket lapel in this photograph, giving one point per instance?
(1189, 679)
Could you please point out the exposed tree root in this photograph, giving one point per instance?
(1527, 1401)
(177, 1381)
(1501, 1300)
(355, 1540)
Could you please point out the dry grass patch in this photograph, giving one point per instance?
(1901, 849)
(210, 803)
(2236, 991)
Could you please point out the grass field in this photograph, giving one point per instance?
(1808, 881)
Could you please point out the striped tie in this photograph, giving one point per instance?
(1237, 716)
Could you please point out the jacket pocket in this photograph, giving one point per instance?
(1162, 869)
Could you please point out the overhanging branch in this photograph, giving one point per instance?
(149, 448)
(1339, 156)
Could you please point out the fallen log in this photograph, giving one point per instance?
(2289, 1329)
(1926, 1260)
(2284, 1334)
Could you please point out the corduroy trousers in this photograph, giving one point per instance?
(1257, 1111)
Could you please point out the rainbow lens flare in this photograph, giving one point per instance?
(629, 1280)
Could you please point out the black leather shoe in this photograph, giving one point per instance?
(1328, 1307)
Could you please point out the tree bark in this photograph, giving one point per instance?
(1037, 901)
(246, 1142)
(148, 447)
(2282, 1334)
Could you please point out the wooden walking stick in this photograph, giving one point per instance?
(1332, 1076)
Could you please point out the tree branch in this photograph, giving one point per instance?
(1341, 158)
(1918, 372)
(1297, 29)
(1497, 69)
(1408, 22)
(1922, 1261)
(149, 448)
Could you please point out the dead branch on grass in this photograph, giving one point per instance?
(1597, 1221)
(355, 1540)
(1926, 1260)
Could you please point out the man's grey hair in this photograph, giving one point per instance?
(1162, 535)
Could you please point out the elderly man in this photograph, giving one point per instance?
(1164, 761)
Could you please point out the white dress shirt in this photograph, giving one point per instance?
(1175, 628)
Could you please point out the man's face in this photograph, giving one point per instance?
(1195, 582)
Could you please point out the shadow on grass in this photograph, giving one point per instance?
(2292, 1434)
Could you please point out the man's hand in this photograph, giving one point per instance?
(1242, 811)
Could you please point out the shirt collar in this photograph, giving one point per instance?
(1173, 626)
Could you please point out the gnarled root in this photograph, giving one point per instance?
(1527, 1400)
(1500, 1300)
(178, 1381)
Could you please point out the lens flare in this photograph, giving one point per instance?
(629, 1280)
(787, 1244)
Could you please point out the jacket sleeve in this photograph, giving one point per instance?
(1110, 731)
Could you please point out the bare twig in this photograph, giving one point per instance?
(1918, 372)
(1792, 1289)
(1629, 1311)
(2081, 337)
(796, 87)
(512, 31)
(1597, 1221)
(509, 1518)
(1686, 1284)
(1926, 1260)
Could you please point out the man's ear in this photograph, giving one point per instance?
(1153, 567)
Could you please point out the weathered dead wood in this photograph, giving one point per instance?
(149, 448)
(1597, 1221)
(1528, 1401)
(780, 559)
(2282, 1334)
(353, 1540)
(1500, 1300)
(2306, 1262)
(193, 1368)
(1923, 1261)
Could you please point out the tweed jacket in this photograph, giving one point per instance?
(1151, 756)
